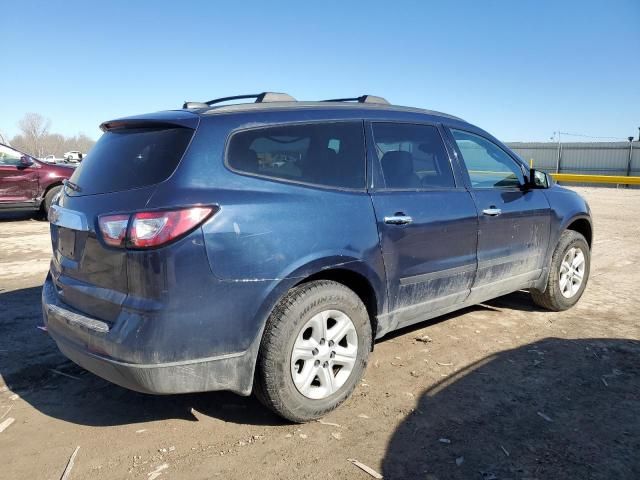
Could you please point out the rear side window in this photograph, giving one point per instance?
(130, 158)
(412, 156)
(488, 165)
(326, 154)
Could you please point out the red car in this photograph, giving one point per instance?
(27, 183)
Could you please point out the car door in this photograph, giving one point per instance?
(513, 220)
(18, 183)
(427, 221)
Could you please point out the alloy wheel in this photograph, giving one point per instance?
(324, 354)
(572, 272)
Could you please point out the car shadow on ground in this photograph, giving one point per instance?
(552, 409)
(520, 301)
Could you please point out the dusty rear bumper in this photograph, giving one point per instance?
(83, 339)
(198, 376)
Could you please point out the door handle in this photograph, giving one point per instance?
(492, 212)
(398, 219)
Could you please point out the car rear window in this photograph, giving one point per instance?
(325, 154)
(129, 158)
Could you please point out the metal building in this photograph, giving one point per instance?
(595, 158)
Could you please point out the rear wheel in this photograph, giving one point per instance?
(568, 273)
(314, 351)
(48, 198)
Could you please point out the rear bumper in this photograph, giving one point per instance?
(164, 378)
(84, 340)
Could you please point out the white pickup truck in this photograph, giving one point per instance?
(74, 156)
(52, 159)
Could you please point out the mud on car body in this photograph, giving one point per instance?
(263, 247)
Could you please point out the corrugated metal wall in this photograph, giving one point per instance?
(597, 158)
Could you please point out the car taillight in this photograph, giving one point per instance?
(114, 229)
(151, 229)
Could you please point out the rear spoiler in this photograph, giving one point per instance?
(158, 120)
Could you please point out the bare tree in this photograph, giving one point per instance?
(34, 128)
(82, 143)
(36, 140)
(19, 143)
(54, 144)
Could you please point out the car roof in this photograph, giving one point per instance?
(364, 106)
(322, 110)
(303, 105)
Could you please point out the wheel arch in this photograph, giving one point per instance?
(352, 273)
(583, 226)
(48, 189)
(52, 185)
(578, 223)
(359, 284)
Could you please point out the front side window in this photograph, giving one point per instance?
(412, 157)
(9, 156)
(488, 165)
(326, 154)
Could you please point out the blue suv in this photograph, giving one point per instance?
(265, 246)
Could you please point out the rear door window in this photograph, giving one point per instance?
(412, 157)
(129, 158)
(325, 154)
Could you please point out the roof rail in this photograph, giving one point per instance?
(361, 99)
(264, 97)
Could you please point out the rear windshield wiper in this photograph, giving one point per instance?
(71, 185)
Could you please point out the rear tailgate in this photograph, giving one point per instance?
(118, 176)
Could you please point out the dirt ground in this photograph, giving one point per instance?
(498, 391)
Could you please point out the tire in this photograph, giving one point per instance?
(552, 298)
(48, 198)
(287, 326)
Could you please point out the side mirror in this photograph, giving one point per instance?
(25, 161)
(539, 179)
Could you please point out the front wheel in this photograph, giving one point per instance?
(568, 275)
(314, 351)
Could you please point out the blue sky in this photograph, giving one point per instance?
(519, 69)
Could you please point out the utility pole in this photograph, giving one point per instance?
(630, 156)
(559, 152)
